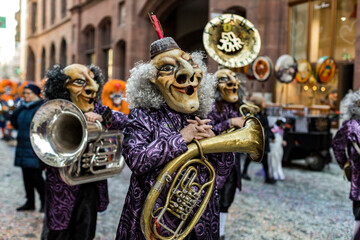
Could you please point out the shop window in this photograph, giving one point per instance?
(43, 63)
(63, 50)
(322, 28)
(121, 13)
(53, 4)
(33, 17)
(44, 13)
(298, 30)
(321, 39)
(345, 32)
(52, 55)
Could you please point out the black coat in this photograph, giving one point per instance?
(21, 119)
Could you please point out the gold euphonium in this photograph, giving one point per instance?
(184, 193)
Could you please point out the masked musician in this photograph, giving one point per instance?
(167, 97)
(225, 114)
(345, 145)
(71, 211)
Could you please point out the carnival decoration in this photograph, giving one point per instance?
(261, 68)
(304, 71)
(285, 68)
(113, 96)
(231, 40)
(325, 69)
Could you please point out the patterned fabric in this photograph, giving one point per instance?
(152, 139)
(60, 197)
(220, 122)
(347, 133)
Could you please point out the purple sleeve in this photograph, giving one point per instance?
(218, 121)
(145, 147)
(118, 120)
(340, 142)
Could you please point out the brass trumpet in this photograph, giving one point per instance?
(184, 192)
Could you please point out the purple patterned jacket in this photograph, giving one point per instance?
(61, 197)
(220, 122)
(152, 139)
(347, 133)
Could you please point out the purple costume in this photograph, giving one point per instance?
(347, 133)
(152, 139)
(221, 122)
(61, 197)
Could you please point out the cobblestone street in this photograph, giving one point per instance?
(307, 205)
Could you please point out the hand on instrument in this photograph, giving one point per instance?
(237, 122)
(198, 121)
(189, 132)
(204, 131)
(92, 117)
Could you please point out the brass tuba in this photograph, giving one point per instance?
(83, 151)
(184, 193)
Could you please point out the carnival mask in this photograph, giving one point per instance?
(116, 98)
(82, 86)
(228, 85)
(178, 78)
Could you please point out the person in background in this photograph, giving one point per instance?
(225, 114)
(24, 156)
(269, 136)
(276, 149)
(346, 150)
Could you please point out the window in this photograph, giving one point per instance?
(43, 63)
(73, 34)
(121, 58)
(106, 57)
(44, 14)
(53, 5)
(30, 70)
(33, 17)
(63, 8)
(121, 13)
(52, 55)
(89, 34)
(109, 63)
(63, 53)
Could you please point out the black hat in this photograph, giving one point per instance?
(162, 45)
(35, 89)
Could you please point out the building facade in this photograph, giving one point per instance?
(115, 34)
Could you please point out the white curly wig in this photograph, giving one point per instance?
(349, 105)
(141, 93)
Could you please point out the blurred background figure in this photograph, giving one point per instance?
(276, 149)
(269, 136)
(8, 90)
(113, 96)
(24, 156)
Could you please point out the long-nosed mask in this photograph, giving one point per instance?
(82, 86)
(228, 85)
(178, 78)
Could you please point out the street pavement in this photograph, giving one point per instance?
(307, 205)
